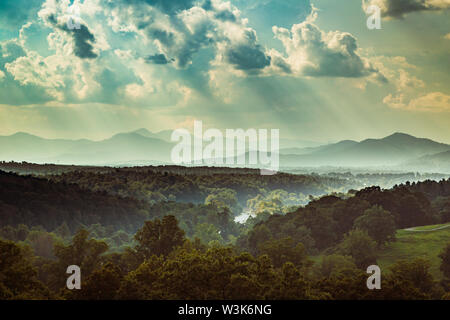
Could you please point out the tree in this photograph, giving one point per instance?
(207, 232)
(102, 284)
(63, 231)
(159, 237)
(224, 198)
(360, 246)
(445, 264)
(293, 285)
(334, 264)
(18, 277)
(259, 234)
(42, 243)
(284, 250)
(409, 280)
(321, 224)
(379, 224)
(83, 252)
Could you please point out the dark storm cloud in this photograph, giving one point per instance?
(248, 55)
(83, 40)
(158, 59)
(398, 8)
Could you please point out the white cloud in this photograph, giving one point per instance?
(431, 102)
(410, 91)
(313, 52)
(434, 101)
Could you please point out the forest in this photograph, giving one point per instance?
(173, 233)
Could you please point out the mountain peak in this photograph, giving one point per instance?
(24, 135)
(399, 135)
(144, 132)
(21, 134)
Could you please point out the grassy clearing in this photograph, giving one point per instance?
(410, 245)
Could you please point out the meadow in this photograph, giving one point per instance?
(422, 242)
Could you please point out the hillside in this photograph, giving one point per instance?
(410, 245)
(39, 202)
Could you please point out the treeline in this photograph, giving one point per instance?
(152, 184)
(163, 264)
(27, 168)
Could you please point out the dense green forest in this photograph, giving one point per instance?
(170, 233)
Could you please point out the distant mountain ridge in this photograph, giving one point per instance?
(389, 151)
(145, 147)
(122, 147)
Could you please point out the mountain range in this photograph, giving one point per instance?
(399, 150)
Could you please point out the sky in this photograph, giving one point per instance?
(312, 69)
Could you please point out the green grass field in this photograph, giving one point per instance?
(410, 245)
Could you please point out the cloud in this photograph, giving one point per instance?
(180, 29)
(58, 15)
(315, 53)
(398, 8)
(434, 101)
(177, 35)
(410, 91)
(158, 59)
(266, 13)
(80, 68)
(431, 102)
(83, 40)
(247, 54)
(13, 92)
(170, 7)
